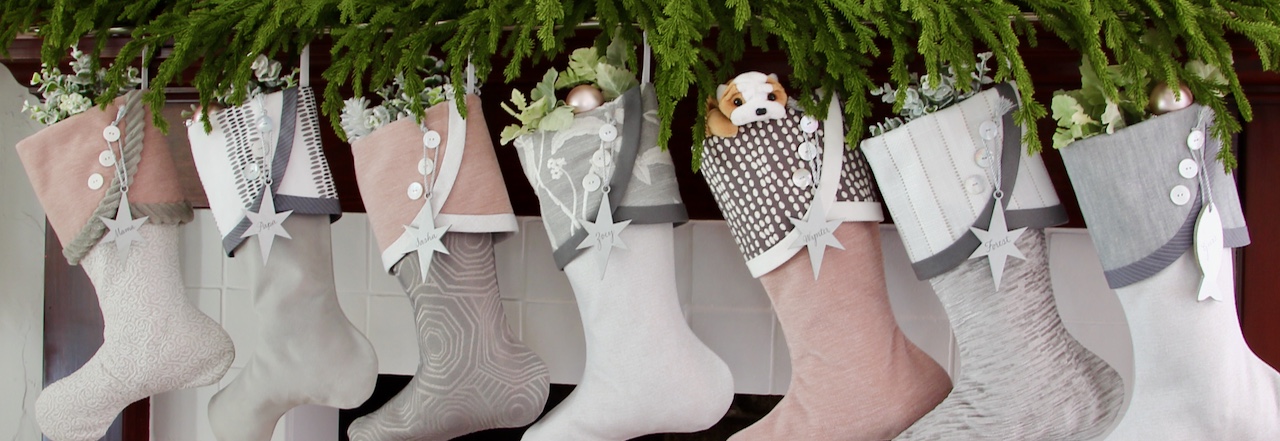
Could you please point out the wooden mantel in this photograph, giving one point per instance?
(72, 335)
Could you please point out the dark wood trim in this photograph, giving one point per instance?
(1260, 302)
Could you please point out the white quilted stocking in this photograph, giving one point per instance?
(1194, 376)
(646, 371)
(308, 352)
(154, 340)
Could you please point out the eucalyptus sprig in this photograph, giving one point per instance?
(925, 94)
(1089, 111)
(65, 95)
(613, 73)
(397, 101)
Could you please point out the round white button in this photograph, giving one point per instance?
(106, 158)
(808, 124)
(252, 171)
(807, 151)
(801, 178)
(425, 166)
(431, 139)
(111, 133)
(415, 190)
(975, 184)
(265, 124)
(1188, 168)
(608, 132)
(95, 181)
(988, 130)
(1180, 195)
(1195, 140)
(602, 158)
(591, 182)
(984, 158)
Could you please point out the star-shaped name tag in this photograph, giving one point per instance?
(266, 223)
(425, 238)
(997, 243)
(816, 232)
(604, 234)
(123, 230)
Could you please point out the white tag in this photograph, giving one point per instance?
(604, 234)
(1208, 247)
(997, 243)
(266, 223)
(123, 230)
(816, 232)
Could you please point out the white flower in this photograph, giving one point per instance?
(74, 103)
(378, 117)
(355, 117)
(266, 69)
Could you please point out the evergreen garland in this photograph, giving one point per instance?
(832, 42)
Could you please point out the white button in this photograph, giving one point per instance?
(415, 190)
(1195, 140)
(975, 184)
(106, 158)
(431, 139)
(984, 158)
(1188, 168)
(802, 178)
(95, 181)
(252, 171)
(265, 124)
(111, 133)
(807, 151)
(808, 124)
(608, 132)
(602, 158)
(1180, 195)
(426, 165)
(591, 182)
(989, 130)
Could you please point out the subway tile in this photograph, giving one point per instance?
(1079, 287)
(720, 278)
(350, 237)
(508, 251)
(201, 252)
(236, 269)
(743, 339)
(241, 322)
(393, 334)
(543, 281)
(380, 281)
(513, 311)
(554, 331)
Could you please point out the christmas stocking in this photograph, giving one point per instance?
(1164, 216)
(93, 173)
(273, 199)
(608, 197)
(971, 206)
(854, 375)
(434, 219)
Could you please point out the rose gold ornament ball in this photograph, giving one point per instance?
(1162, 100)
(584, 97)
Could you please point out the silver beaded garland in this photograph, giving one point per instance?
(584, 97)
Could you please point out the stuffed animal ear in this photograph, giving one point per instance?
(720, 91)
(773, 77)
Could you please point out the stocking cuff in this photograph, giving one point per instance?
(610, 147)
(74, 176)
(393, 186)
(1140, 192)
(931, 173)
(758, 178)
(230, 161)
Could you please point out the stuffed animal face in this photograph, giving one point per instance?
(752, 97)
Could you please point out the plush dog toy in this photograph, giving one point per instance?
(750, 97)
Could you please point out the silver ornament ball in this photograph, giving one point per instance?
(584, 97)
(1162, 100)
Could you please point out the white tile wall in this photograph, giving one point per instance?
(725, 306)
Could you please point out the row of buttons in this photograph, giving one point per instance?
(602, 158)
(106, 158)
(1187, 168)
(983, 157)
(426, 166)
(807, 151)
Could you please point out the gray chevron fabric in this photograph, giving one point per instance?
(1064, 392)
(472, 373)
